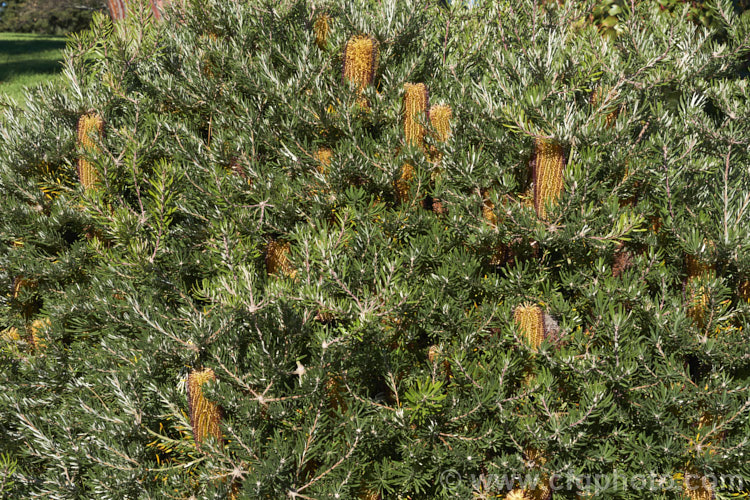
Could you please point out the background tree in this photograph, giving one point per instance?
(119, 9)
(48, 16)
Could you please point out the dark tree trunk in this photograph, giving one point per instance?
(118, 9)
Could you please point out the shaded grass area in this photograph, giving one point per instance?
(27, 60)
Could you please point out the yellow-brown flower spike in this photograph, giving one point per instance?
(530, 320)
(743, 290)
(19, 284)
(415, 105)
(89, 125)
(403, 183)
(277, 259)
(535, 459)
(696, 292)
(697, 266)
(324, 155)
(370, 495)
(440, 119)
(10, 334)
(434, 354)
(335, 391)
(697, 487)
(516, 494)
(360, 60)
(549, 165)
(36, 337)
(698, 300)
(705, 424)
(321, 29)
(205, 417)
(488, 208)
(548, 168)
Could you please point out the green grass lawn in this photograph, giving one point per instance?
(27, 60)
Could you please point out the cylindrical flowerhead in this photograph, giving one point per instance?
(205, 416)
(440, 118)
(535, 459)
(516, 494)
(549, 165)
(277, 259)
(697, 266)
(699, 272)
(705, 424)
(90, 126)
(324, 156)
(433, 353)
(743, 290)
(403, 183)
(335, 390)
(488, 208)
(360, 60)
(623, 260)
(10, 335)
(321, 29)
(697, 300)
(370, 495)
(19, 284)
(697, 487)
(36, 333)
(530, 320)
(24, 296)
(415, 105)
(237, 167)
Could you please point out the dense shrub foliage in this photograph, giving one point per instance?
(379, 248)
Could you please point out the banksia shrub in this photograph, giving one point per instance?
(316, 300)
(415, 105)
(205, 416)
(548, 168)
(90, 127)
(321, 29)
(360, 60)
(530, 320)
